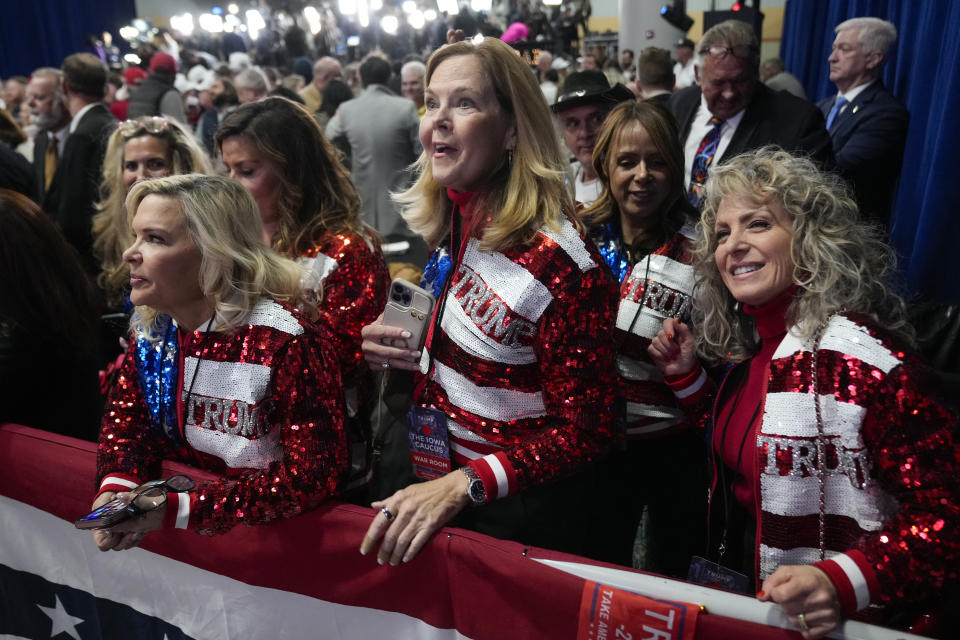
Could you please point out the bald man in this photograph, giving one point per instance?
(324, 70)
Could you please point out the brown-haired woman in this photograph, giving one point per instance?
(643, 226)
(311, 211)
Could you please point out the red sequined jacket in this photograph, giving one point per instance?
(523, 360)
(355, 286)
(259, 405)
(664, 283)
(891, 479)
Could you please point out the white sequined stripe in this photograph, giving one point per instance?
(513, 284)
(468, 336)
(461, 439)
(771, 558)
(797, 496)
(793, 415)
(637, 370)
(270, 314)
(488, 402)
(322, 265)
(241, 381)
(640, 409)
(647, 325)
(183, 511)
(570, 241)
(857, 580)
(666, 271)
(465, 451)
(844, 336)
(236, 451)
(458, 431)
(120, 481)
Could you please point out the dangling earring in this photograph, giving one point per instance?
(510, 158)
(736, 306)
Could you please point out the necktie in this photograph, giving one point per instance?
(701, 162)
(49, 161)
(839, 104)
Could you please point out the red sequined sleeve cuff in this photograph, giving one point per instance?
(177, 512)
(498, 475)
(691, 387)
(118, 482)
(853, 577)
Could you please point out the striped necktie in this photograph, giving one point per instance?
(701, 162)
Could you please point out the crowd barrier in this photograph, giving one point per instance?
(304, 577)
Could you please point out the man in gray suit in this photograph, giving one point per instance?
(380, 130)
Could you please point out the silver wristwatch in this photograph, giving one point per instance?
(475, 490)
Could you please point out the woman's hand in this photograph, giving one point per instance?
(377, 352)
(674, 350)
(455, 35)
(807, 596)
(128, 533)
(417, 512)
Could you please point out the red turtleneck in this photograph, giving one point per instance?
(740, 411)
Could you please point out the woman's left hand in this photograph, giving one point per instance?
(138, 527)
(807, 596)
(417, 512)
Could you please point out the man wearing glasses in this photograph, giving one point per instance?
(732, 111)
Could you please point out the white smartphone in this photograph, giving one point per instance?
(409, 307)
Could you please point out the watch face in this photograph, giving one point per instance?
(477, 494)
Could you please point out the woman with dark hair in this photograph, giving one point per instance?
(48, 319)
(311, 212)
(644, 226)
(334, 94)
(836, 464)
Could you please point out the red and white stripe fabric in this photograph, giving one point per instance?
(663, 283)
(523, 360)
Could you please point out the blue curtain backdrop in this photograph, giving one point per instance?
(923, 73)
(41, 33)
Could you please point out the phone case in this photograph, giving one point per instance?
(409, 307)
(104, 516)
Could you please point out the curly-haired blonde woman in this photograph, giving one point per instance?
(836, 470)
(214, 372)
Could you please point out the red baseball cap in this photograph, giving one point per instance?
(164, 63)
(134, 76)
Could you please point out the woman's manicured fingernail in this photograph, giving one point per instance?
(405, 334)
(761, 593)
(670, 336)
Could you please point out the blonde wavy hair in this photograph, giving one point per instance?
(237, 268)
(521, 197)
(111, 228)
(840, 264)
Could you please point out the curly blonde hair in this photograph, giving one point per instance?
(522, 197)
(111, 228)
(840, 264)
(237, 268)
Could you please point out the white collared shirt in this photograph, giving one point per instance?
(76, 119)
(851, 95)
(699, 128)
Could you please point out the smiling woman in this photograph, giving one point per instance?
(835, 458)
(213, 373)
(518, 368)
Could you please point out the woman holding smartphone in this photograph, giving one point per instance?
(518, 365)
(212, 376)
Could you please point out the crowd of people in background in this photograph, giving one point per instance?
(654, 273)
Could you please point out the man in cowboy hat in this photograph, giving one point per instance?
(581, 108)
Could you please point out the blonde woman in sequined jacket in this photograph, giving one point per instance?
(836, 468)
(213, 376)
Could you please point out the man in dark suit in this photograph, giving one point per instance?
(732, 111)
(50, 115)
(867, 123)
(73, 192)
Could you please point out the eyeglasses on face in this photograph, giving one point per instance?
(740, 51)
(150, 124)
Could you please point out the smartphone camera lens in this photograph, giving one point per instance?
(406, 299)
(398, 288)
